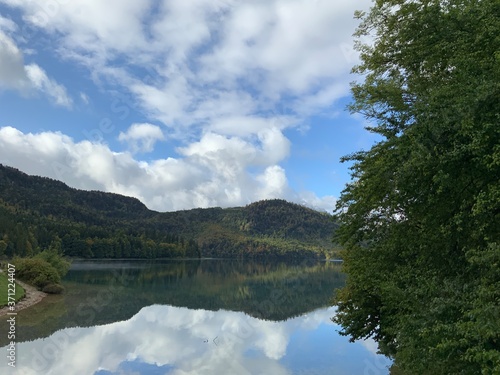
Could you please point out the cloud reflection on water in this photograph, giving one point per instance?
(162, 339)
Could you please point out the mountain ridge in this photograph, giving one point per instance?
(107, 224)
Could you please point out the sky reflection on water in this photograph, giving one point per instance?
(190, 317)
(164, 339)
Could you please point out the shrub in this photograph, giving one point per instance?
(36, 271)
(56, 260)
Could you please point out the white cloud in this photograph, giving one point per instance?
(202, 61)
(142, 137)
(215, 171)
(226, 77)
(12, 72)
(84, 98)
(27, 78)
(273, 182)
(325, 203)
(51, 88)
(7, 25)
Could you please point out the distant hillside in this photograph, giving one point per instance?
(46, 196)
(38, 212)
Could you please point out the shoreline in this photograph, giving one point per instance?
(32, 297)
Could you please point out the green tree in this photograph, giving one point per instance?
(420, 220)
(55, 259)
(192, 249)
(3, 247)
(56, 245)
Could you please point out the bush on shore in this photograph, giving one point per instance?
(45, 270)
(36, 271)
(54, 258)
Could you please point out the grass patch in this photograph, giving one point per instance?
(4, 290)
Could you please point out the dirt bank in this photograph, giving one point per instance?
(33, 296)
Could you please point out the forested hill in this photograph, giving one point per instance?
(46, 196)
(37, 213)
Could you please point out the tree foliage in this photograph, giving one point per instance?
(54, 257)
(420, 220)
(36, 271)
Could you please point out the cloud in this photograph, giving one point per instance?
(192, 64)
(12, 72)
(27, 78)
(142, 137)
(44, 84)
(245, 345)
(215, 171)
(84, 98)
(7, 25)
(310, 199)
(224, 79)
(273, 182)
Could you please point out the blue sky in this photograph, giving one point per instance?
(182, 104)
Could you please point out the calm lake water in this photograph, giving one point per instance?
(190, 317)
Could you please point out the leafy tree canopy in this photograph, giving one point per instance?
(420, 220)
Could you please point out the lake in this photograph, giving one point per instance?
(190, 317)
